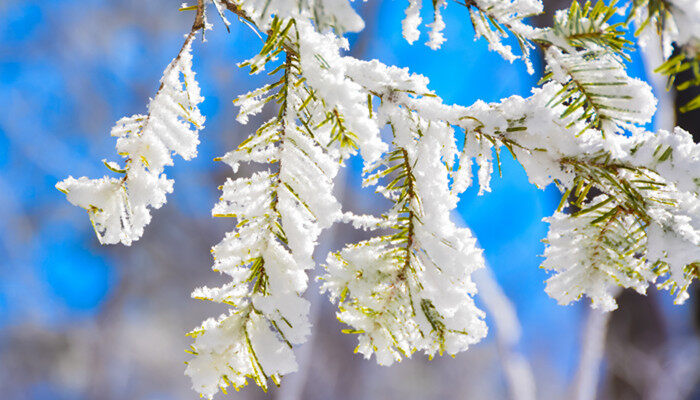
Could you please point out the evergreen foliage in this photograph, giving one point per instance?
(629, 214)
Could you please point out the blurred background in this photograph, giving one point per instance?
(82, 321)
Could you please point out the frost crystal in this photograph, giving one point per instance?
(629, 215)
(120, 208)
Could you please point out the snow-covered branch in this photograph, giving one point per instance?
(119, 208)
(629, 214)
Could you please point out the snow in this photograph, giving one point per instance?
(120, 208)
(409, 287)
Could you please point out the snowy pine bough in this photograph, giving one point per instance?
(629, 214)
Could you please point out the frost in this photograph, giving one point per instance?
(337, 14)
(280, 214)
(326, 73)
(686, 14)
(588, 261)
(614, 239)
(629, 215)
(412, 21)
(120, 208)
(411, 290)
(598, 89)
(436, 27)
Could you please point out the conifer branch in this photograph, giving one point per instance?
(628, 215)
(280, 214)
(119, 209)
(645, 195)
